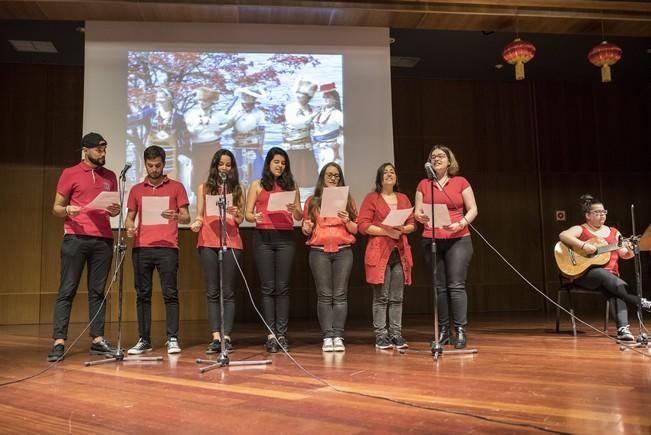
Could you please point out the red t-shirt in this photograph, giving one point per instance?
(159, 235)
(453, 188)
(613, 264)
(272, 220)
(210, 233)
(80, 184)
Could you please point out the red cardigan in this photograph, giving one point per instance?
(373, 211)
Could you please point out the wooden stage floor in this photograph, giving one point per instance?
(525, 379)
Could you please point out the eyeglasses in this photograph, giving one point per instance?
(335, 177)
(439, 156)
(599, 212)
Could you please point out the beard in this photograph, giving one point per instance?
(97, 162)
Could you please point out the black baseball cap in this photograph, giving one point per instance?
(93, 140)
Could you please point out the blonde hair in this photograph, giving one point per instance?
(453, 167)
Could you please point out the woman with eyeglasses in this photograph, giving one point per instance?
(453, 243)
(273, 243)
(584, 239)
(223, 178)
(388, 260)
(331, 257)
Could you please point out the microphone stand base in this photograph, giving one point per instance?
(224, 361)
(120, 357)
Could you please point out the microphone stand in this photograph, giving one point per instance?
(642, 339)
(437, 348)
(121, 249)
(223, 360)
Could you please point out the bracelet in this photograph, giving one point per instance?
(583, 245)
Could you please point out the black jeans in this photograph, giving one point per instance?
(331, 273)
(613, 287)
(273, 251)
(76, 252)
(453, 259)
(210, 264)
(166, 260)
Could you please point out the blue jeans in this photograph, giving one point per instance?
(387, 298)
(166, 260)
(452, 262)
(331, 272)
(273, 251)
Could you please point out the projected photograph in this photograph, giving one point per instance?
(194, 103)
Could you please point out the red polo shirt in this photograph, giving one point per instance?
(162, 235)
(453, 201)
(80, 184)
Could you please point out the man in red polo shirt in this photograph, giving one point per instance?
(88, 240)
(161, 204)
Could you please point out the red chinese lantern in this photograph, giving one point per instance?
(519, 52)
(604, 55)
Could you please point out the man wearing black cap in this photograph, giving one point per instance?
(87, 240)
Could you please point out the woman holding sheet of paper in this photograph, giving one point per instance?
(454, 196)
(273, 202)
(329, 221)
(223, 178)
(386, 217)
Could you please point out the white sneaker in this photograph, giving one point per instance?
(646, 304)
(328, 345)
(173, 345)
(624, 334)
(140, 347)
(338, 344)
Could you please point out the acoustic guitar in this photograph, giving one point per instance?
(575, 262)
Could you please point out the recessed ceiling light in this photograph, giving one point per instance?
(404, 61)
(33, 46)
(499, 66)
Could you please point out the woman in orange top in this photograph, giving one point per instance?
(331, 257)
(210, 242)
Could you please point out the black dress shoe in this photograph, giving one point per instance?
(102, 348)
(461, 338)
(56, 354)
(444, 335)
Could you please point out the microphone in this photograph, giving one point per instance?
(224, 176)
(125, 169)
(431, 175)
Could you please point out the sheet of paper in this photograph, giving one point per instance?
(396, 218)
(333, 200)
(104, 199)
(212, 209)
(152, 207)
(278, 200)
(441, 215)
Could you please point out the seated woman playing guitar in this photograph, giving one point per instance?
(584, 240)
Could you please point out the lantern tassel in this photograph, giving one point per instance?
(605, 73)
(519, 71)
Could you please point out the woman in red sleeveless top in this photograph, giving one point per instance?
(606, 277)
(273, 242)
(223, 175)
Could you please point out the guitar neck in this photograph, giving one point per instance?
(607, 248)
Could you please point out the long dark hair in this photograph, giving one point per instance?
(380, 175)
(587, 201)
(286, 179)
(318, 193)
(215, 180)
